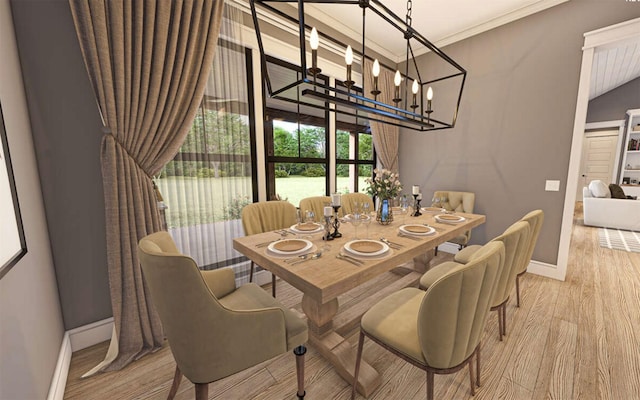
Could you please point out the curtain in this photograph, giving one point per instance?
(385, 136)
(148, 63)
(208, 182)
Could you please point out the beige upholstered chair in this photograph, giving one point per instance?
(438, 330)
(264, 217)
(515, 240)
(350, 200)
(215, 329)
(316, 204)
(535, 219)
(460, 202)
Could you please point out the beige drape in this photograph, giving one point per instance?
(148, 62)
(385, 136)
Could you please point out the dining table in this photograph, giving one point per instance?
(329, 269)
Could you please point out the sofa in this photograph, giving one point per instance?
(600, 209)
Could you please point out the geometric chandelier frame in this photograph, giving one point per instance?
(424, 96)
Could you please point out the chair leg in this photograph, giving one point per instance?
(273, 285)
(251, 272)
(429, 385)
(202, 391)
(518, 290)
(478, 366)
(504, 319)
(500, 322)
(300, 351)
(358, 359)
(471, 381)
(177, 377)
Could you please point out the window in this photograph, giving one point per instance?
(355, 158)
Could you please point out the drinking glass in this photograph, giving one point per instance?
(366, 221)
(309, 216)
(356, 220)
(404, 205)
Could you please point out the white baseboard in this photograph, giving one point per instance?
(73, 340)
(88, 335)
(59, 380)
(546, 270)
(535, 267)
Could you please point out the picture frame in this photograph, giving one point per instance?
(13, 245)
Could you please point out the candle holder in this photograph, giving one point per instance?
(416, 201)
(327, 228)
(336, 223)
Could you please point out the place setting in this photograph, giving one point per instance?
(415, 231)
(449, 218)
(359, 251)
(287, 248)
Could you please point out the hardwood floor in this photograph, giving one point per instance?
(578, 339)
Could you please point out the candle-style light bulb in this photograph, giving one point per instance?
(348, 56)
(376, 72)
(314, 42)
(348, 59)
(376, 68)
(397, 80)
(414, 90)
(429, 93)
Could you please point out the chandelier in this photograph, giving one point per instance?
(362, 81)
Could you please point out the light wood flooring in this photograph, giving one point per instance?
(578, 339)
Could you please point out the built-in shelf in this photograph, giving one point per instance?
(630, 165)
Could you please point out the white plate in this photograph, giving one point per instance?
(349, 246)
(449, 219)
(318, 228)
(276, 247)
(432, 209)
(407, 229)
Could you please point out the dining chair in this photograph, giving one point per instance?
(515, 239)
(535, 219)
(316, 204)
(267, 216)
(214, 328)
(438, 330)
(350, 200)
(458, 202)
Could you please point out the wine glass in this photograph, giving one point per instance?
(444, 201)
(435, 201)
(309, 216)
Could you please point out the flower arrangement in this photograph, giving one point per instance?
(384, 185)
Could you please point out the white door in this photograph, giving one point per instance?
(598, 159)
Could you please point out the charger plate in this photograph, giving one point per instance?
(417, 230)
(449, 219)
(307, 227)
(290, 247)
(366, 248)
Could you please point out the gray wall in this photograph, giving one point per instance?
(67, 132)
(516, 119)
(614, 104)
(31, 327)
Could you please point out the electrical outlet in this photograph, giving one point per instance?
(552, 186)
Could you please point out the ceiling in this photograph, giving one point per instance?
(614, 66)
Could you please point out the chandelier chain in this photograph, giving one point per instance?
(409, 9)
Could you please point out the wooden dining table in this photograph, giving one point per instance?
(323, 279)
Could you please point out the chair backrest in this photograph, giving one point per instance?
(460, 202)
(350, 200)
(316, 204)
(535, 219)
(267, 216)
(516, 243)
(457, 201)
(454, 309)
(198, 327)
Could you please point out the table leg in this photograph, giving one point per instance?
(335, 348)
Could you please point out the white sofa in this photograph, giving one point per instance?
(610, 213)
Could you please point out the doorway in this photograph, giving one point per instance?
(629, 30)
(599, 150)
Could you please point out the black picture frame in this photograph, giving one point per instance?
(13, 247)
